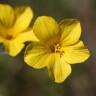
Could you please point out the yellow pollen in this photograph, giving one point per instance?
(58, 49)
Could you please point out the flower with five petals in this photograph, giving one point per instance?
(58, 48)
(14, 29)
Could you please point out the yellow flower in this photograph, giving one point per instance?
(14, 29)
(59, 46)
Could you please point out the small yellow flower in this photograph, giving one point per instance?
(59, 46)
(14, 30)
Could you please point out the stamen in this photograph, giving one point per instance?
(58, 49)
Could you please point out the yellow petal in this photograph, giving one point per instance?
(36, 55)
(3, 31)
(6, 15)
(77, 53)
(71, 31)
(13, 47)
(1, 39)
(59, 70)
(45, 27)
(50, 66)
(27, 36)
(24, 16)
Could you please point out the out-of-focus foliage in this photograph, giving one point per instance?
(18, 79)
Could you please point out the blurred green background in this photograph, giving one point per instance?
(18, 79)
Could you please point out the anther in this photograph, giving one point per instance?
(59, 50)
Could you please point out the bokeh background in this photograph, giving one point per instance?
(18, 79)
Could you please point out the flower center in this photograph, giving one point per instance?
(58, 49)
(6, 35)
(54, 46)
(9, 37)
